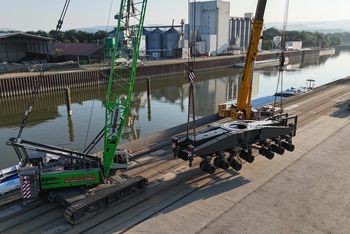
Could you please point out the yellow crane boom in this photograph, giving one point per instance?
(245, 91)
(242, 109)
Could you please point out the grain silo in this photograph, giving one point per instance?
(171, 41)
(154, 43)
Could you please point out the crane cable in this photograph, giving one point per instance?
(109, 14)
(190, 71)
(282, 55)
(98, 87)
(191, 78)
(39, 80)
(85, 149)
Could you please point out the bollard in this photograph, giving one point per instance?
(69, 102)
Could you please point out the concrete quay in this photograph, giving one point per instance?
(305, 191)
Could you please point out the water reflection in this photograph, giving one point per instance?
(70, 129)
(165, 106)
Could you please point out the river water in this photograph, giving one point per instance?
(167, 106)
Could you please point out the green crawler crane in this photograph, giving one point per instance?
(69, 176)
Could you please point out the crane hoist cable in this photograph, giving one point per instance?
(191, 76)
(109, 14)
(282, 55)
(39, 80)
(93, 144)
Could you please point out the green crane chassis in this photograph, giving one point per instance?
(72, 179)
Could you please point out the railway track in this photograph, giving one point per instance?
(171, 181)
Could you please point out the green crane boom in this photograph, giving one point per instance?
(121, 82)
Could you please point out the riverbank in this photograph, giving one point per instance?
(16, 84)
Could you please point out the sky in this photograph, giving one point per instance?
(28, 15)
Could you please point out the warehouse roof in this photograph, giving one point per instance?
(21, 34)
(83, 49)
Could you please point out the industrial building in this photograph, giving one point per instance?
(154, 43)
(210, 31)
(84, 53)
(240, 30)
(163, 41)
(294, 45)
(16, 47)
(277, 42)
(209, 23)
(289, 45)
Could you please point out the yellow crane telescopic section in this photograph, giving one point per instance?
(243, 109)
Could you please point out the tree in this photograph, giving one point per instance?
(270, 33)
(70, 35)
(100, 35)
(335, 40)
(309, 39)
(267, 44)
(56, 35)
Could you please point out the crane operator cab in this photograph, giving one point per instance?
(121, 159)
